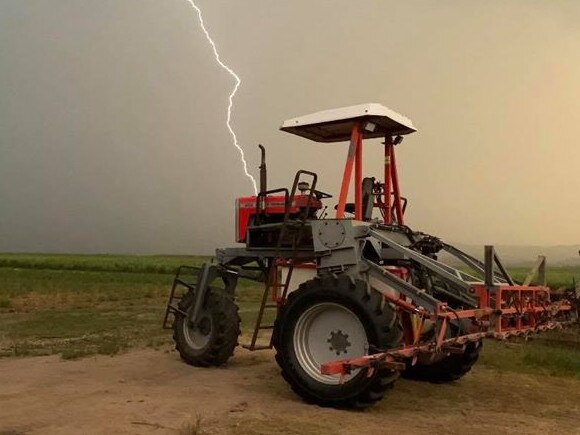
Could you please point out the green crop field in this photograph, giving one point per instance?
(77, 305)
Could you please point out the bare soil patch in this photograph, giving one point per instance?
(148, 391)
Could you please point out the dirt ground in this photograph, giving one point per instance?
(149, 391)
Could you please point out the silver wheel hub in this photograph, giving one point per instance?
(198, 335)
(327, 332)
(338, 342)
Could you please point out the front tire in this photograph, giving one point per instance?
(329, 319)
(212, 341)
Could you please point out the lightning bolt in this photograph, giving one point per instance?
(231, 96)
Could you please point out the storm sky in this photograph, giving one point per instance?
(112, 115)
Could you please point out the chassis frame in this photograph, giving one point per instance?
(495, 307)
(387, 255)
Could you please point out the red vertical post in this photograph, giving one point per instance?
(358, 179)
(498, 299)
(347, 171)
(388, 215)
(533, 306)
(396, 191)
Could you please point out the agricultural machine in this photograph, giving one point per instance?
(359, 298)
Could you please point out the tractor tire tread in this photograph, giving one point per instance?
(226, 322)
(341, 288)
(449, 369)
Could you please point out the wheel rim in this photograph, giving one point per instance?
(328, 332)
(198, 336)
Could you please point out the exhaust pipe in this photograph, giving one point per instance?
(263, 171)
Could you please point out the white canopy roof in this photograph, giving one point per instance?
(335, 125)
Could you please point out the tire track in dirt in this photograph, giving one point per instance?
(148, 391)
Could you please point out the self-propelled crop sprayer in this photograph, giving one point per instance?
(358, 298)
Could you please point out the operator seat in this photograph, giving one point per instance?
(367, 200)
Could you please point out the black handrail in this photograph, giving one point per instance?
(261, 198)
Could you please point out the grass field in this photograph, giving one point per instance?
(77, 305)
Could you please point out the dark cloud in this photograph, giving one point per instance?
(112, 115)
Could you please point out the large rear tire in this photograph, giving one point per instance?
(212, 341)
(448, 369)
(329, 319)
(445, 368)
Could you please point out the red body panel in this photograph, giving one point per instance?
(246, 208)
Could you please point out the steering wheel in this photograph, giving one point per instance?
(322, 195)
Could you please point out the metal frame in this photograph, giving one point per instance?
(496, 306)
(391, 202)
(353, 158)
(503, 310)
(198, 280)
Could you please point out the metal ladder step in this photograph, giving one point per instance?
(185, 283)
(175, 309)
(296, 227)
(172, 307)
(172, 304)
(253, 345)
